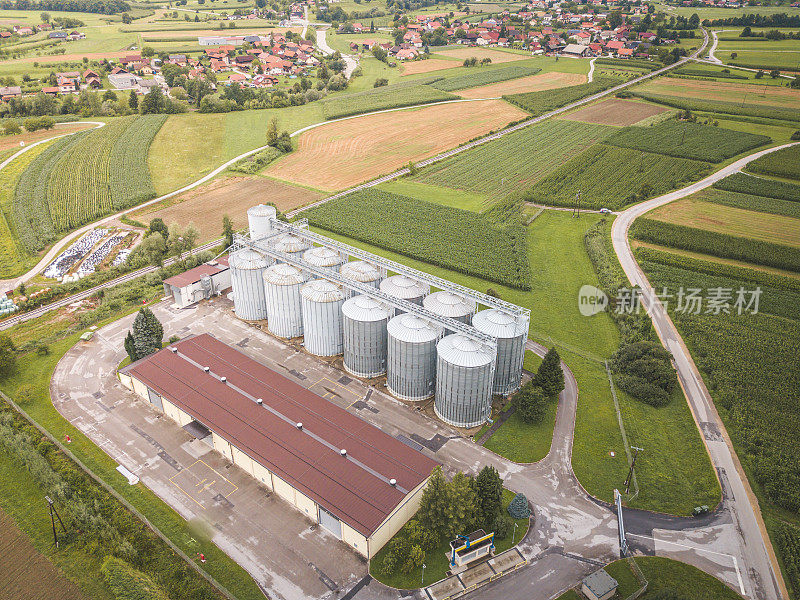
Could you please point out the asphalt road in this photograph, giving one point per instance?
(739, 499)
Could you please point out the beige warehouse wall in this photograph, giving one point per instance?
(306, 505)
(241, 460)
(126, 380)
(140, 389)
(396, 520)
(283, 489)
(262, 474)
(354, 539)
(171, 410)
(222, 446)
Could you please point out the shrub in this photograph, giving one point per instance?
(530, 403)
(644, 370)
(502, 526)
(643, 390)
(126, 583)
(518, 508)
(42, 350)
(380, 82)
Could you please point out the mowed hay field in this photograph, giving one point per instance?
(725, 92)
(26, 574)
(730, 220)
(345, 153)
(497, 56)
(615, 112)
(232, 196)
(533, 83)
(428, 66)
(7, 142)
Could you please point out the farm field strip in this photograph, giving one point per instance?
(531, 83)
(514, 161)
(730, 220)
(496, 56)
(726, 92)
(376, 144)
(615, 112)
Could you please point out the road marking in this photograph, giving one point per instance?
(697, 549)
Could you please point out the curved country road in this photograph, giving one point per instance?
(740, 500)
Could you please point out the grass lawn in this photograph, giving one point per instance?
(559, 267)
(436, 560)
(37, 371)
(208, 140)
(438, 194)
(523, 442)
(665, 574)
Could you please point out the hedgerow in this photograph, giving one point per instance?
(688, 140)
(477, 77)
(539, 103)
(717, 244)
(447, 237)
(610, 176)
(781, 163)
(710, 73)
(718, 106)
(398, 95)
(759, 186)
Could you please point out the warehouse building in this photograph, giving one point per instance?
(200, 283)
(359, 483)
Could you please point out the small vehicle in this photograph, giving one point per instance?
(700, 511)
(605, 211)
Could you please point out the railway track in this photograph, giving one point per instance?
(66, 301)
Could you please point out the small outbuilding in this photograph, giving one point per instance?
(599, 586)
(200, 283)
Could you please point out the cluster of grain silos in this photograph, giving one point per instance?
(420, 355)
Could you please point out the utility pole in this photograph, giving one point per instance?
(628, 480)
(53, 511)
(423, 573)
(576, 210)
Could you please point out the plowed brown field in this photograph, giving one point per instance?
(342, 154)
(206, 205)
(533, 83)
(615, 112)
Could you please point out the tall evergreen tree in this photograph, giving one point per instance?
(550, 377)
(490, 495)
(130, 347)
(463, 511)
(433, 508)
(227, 230)
(530, 403)
(133, 100)
(147, 333)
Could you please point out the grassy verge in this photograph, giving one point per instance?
(665, 574)
(523, 442)
(436, 560)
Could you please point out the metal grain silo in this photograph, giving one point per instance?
(448, 304)
(511, 333)
(364, 323)
(290, 244)
(361, 271)
(282, 284)
(321, 256)
(259, 219)
(321, 302)
(404, 287)
(464, 377)
(247, 270)
(411, 364)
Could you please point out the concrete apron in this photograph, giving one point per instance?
(476, 576)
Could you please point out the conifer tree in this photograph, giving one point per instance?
(147, 333)
(550, 377)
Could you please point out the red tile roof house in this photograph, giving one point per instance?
(361, 484)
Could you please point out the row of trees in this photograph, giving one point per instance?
(161, 241)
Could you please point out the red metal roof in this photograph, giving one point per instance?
(355, 488)
(194, 275)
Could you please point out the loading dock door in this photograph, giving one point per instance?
(155, 399)
(329, 522)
